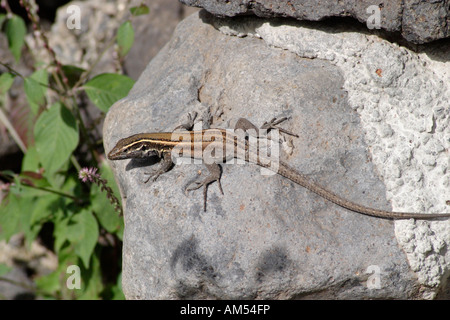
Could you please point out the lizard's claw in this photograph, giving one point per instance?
(152, 175)
(272, 124)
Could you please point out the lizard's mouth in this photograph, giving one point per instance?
(114, 155)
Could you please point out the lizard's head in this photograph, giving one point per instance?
(133, 147)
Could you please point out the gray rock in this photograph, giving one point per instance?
(16, 285)
(26, 261)
(265, 237)
(419, 21)
(99, 22)
(153, 31)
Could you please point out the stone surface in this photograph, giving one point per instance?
(24, 260)
(153, 31)
(402, 99)
(99, 22)
(267, 237)
(419, 21)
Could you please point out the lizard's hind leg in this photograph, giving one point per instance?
(214, 175)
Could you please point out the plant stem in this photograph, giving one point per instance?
(4, 119)
(32, 15)
(75, 162)
(86, 74)
(62, 194)
(11, 70)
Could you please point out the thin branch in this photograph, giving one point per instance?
(4, 119)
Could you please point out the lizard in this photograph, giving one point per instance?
(163, 144)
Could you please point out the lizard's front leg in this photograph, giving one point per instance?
(166, 164)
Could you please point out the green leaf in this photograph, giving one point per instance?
(56, 137)
(49, 283)
(9, 174)
(15, 32)
(125, 38)
(4, 269)
(35, 88)
(61, 222)
(30, 160)
(107, 88)
(92, 280)
(6, 81)
(15, 216)
(9, 216)
(44, 207)
(72, 73)
(139, 10)
(116, 290)
(27, 205)
(82, 231)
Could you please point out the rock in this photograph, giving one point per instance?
(267, 238)
(419, 21)
(16, 285)
(99, 22)
(153, 31)
(25, 261)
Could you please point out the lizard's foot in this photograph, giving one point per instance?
(215, 174)
(153, 175)
(246, 125)
(189, 124)
(272, 124)
(166, 164)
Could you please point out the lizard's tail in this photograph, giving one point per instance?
(293, 175)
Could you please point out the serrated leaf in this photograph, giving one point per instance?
(56, 137)
(107, 88)
(125, 38)
(15, 32)
(82, 231)
(35, 88)
(6, 81)
(139, 10)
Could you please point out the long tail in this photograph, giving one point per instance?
(293, 175)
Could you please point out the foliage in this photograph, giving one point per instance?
(52, 191)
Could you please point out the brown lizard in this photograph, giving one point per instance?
(195, 143)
